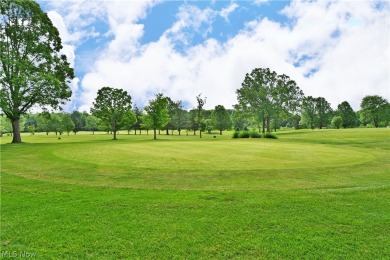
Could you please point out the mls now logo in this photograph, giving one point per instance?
(16, 254)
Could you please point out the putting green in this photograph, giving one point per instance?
(166, 157)
(187, 164)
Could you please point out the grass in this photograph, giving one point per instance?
(308, 194)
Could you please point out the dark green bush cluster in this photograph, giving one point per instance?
(246, 134)
(271, 136)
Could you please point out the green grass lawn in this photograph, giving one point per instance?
(309, 194)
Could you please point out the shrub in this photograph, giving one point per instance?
(271, 136)
(236, 134)
(244, 134)
(254, 134)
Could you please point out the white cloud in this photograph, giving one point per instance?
(343, 45)
(225, 12)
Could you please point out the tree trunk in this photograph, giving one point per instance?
(140, 131)
(155, 134)
(268, 124)
(263, 130)
(16, 138)
(200, 133)
(114, 135)
(135, 131)
(220, 131)
(179, 131)
(167, 130)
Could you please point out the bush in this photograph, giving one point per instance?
(254, 134)
(244, 134)
(271, 136)
(236, 134)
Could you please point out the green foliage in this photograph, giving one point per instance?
(111, 106)
(254, 134)
(337, 122)
(244, 134)
(270, 136)
(316, 112)
(347, 114)
(34, 72)
(129, 120)
(375, 109)
(79, 120)
(221, 119)
(265, 95)
(92, 123)
(157, 114)
(67, 122)
(236, 134)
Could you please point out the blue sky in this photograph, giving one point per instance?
(335, 49)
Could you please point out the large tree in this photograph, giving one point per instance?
(347, 114)
(157, 115)
(111, 106)
(221, 118)
(324, 112)
(32, 69)
(374, 109)
(266, 95)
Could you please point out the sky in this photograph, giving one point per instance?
(338, 50)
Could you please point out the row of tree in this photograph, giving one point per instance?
(168, 116)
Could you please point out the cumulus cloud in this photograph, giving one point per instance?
(338, 50)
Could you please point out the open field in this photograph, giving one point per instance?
(309, 194)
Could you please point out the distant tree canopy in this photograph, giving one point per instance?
(347, 114)
(111, 106)
(316, 112)
(32, 69)
(157, 114)
(221, 119)
(265, 95)
(375, 109)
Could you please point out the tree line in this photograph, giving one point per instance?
(165, 116)
(34, 72)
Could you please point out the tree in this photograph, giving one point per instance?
(92, 123)
(32, 70)
(316, 112)
(56, 124)
(347, 114)
(111, 106)
(138, 115)
(374, 109)
(79, 120)
(337, 121)
(201, 103)
(192, 122)
(324, 112)
(179, 115)
(221, 118)
(129, 120)
(309, 114)
(157, 115)
(266, 95)
(67, 122)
